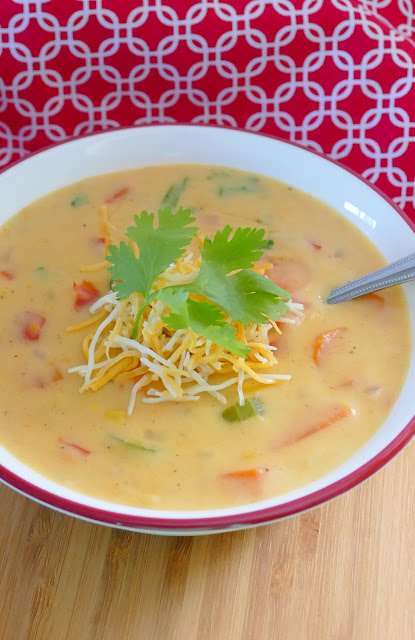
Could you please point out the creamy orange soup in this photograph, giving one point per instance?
(346, 370)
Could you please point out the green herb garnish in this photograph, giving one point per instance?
(79, 199)
(159, 247)
(225, 279)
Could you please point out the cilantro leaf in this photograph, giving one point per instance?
(205, 314)
(159, 247)
(245, 295)
(225, 280)
(224, 337)
(239, 252)
(176, 300)
(203, 318)
(202, 315)
(126, 270)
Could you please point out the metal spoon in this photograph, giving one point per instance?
(395, 273)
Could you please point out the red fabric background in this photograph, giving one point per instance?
(337, 76)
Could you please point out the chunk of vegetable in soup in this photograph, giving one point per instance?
(345, 371)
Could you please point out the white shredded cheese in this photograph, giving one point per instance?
(141, 383)
(91, 350)
(241, 378)
(192, 364)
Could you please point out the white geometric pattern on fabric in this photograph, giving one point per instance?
(264, 65)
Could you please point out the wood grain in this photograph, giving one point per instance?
(345, 571)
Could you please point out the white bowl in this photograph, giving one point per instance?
(370, 210)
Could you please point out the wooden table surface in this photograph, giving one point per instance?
(345, 571)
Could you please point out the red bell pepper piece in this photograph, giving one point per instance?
(85, 294)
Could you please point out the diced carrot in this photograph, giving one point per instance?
(7, 274)
(325, 341)
(85, 293)
(316, 246)
(118, 194)
(244, 474)
(327, 418)
(289, 274)
(72, 445)
(31, 324)
(374, 297)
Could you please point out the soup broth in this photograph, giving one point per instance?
(176, 455)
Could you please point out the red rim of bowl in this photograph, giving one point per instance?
(260, 516)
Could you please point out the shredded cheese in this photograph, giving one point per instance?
(168, 365)
(86, 323)
(98, 266)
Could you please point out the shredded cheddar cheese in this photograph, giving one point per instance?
(170, 365)
(90, 268)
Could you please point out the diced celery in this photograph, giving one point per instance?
(173, 194)
(132, 445)
(238, 413)
(251, 184)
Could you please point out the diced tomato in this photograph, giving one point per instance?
(118, 194)
(7, 274)
(31, 324)
(75, 447)
(289, 274)
(100, 240)
(325, 342)
(85, 293)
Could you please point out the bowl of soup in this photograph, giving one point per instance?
(182, 372)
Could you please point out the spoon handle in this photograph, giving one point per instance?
(395, 273)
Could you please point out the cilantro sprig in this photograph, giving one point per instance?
(202, 317)
(158, 247)
(225, 280)
(245, 295)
